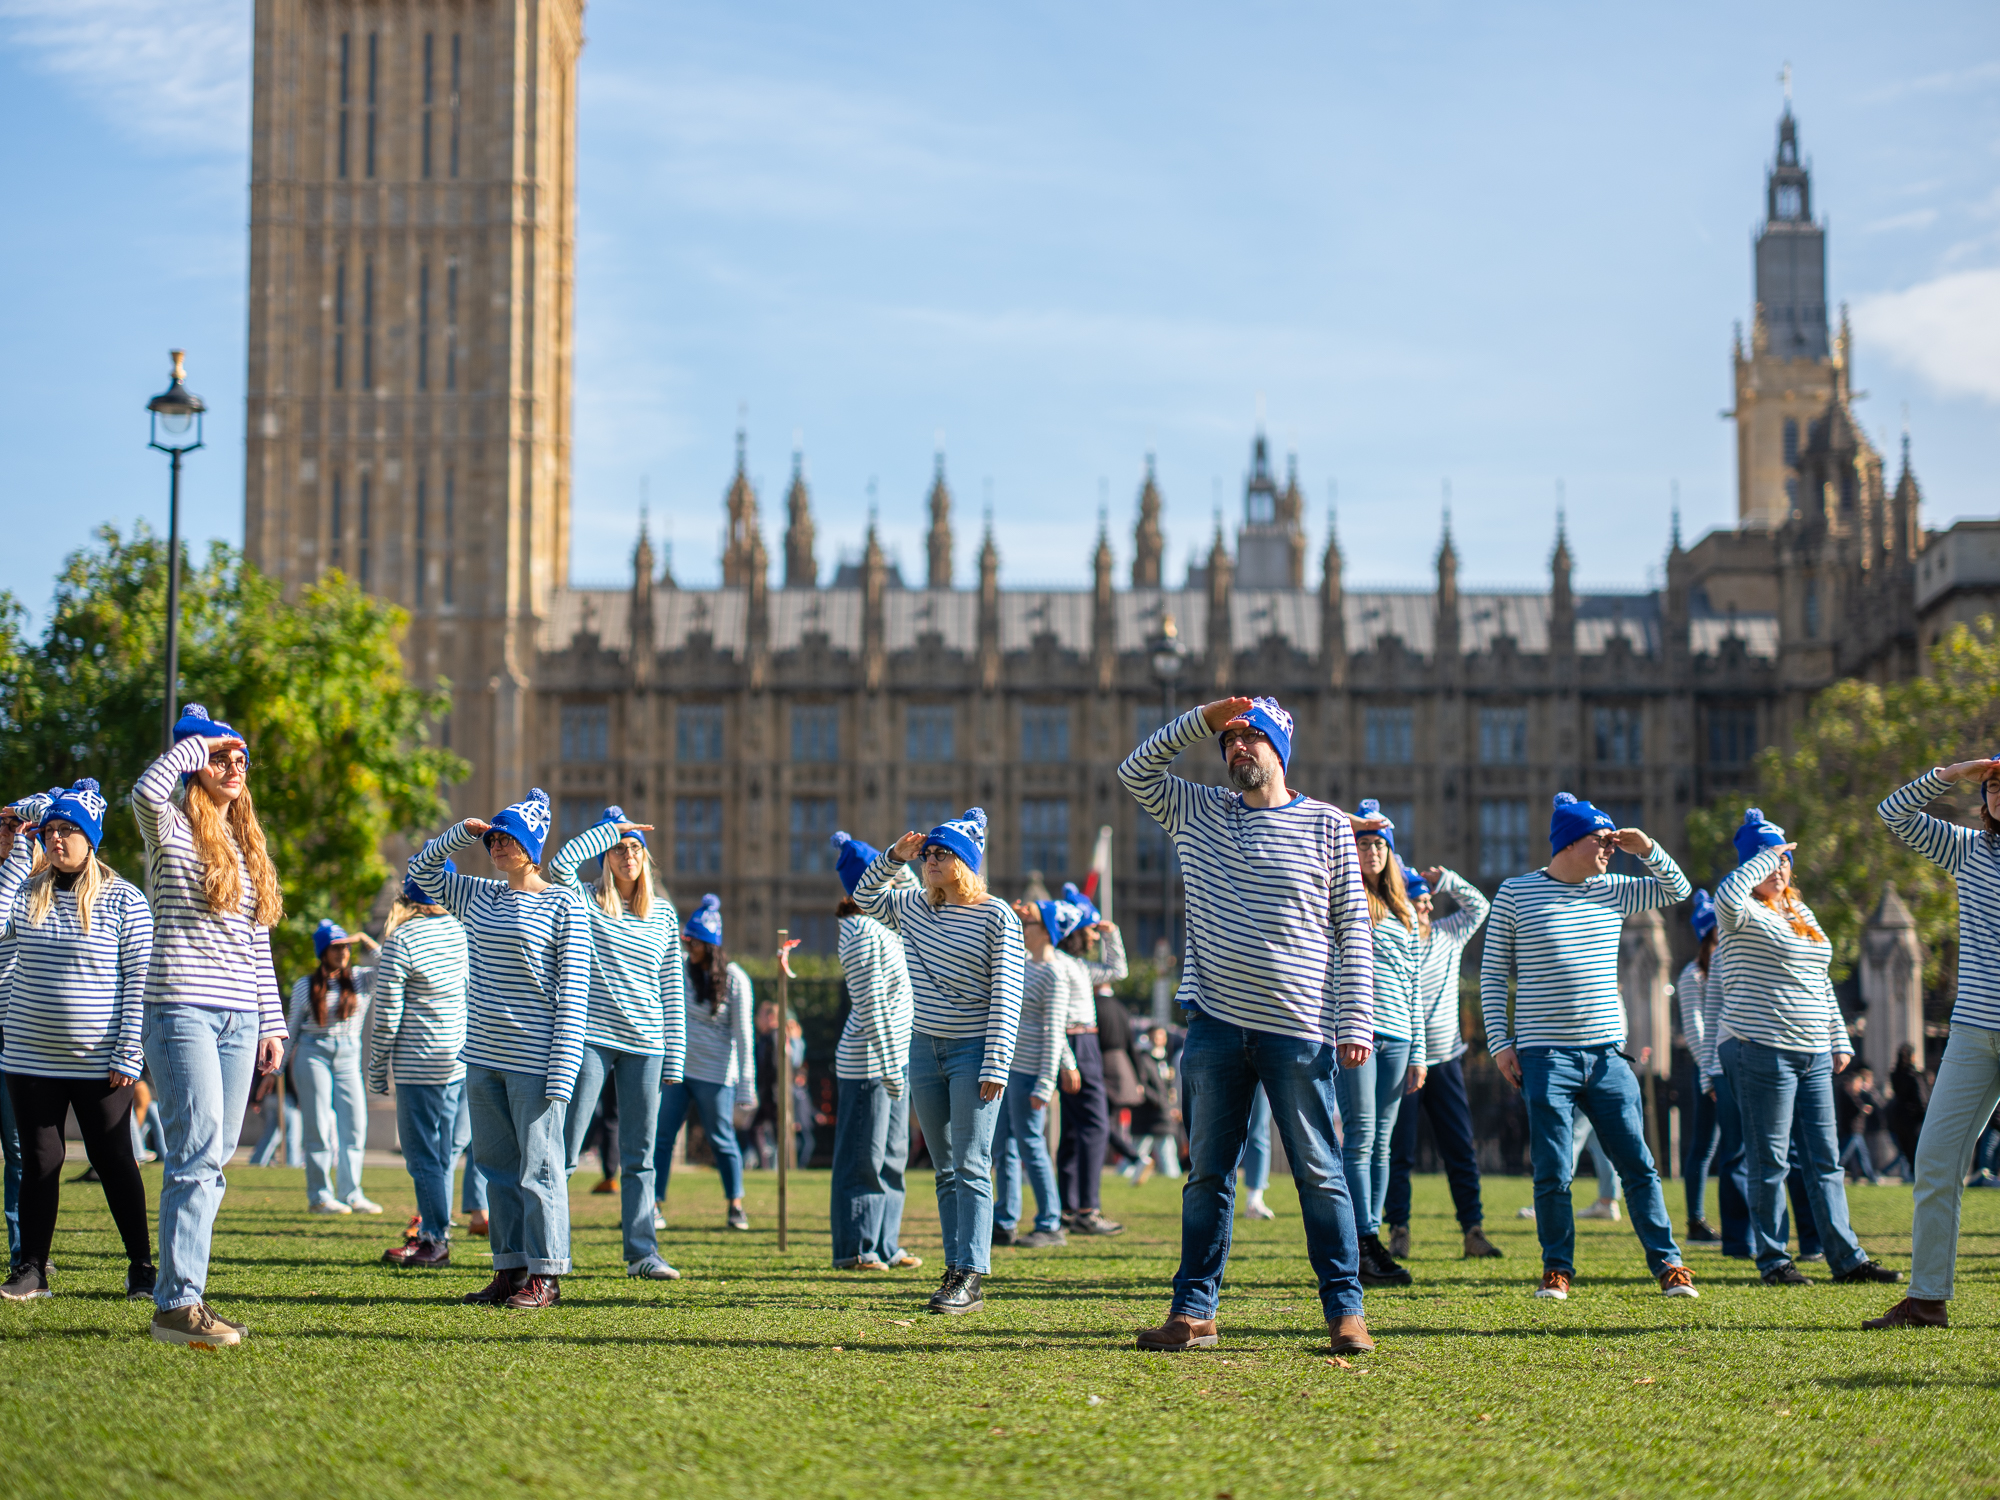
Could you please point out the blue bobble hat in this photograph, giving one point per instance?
(704, 923)
(1061, 918)
(527, 823)
(1574, 819)
(1755, 835)
(1415, 884)
(84, 805)
(1270, 720)
(414, 892)
(1703, 916)
(616, 814)
(964, 836)
(1370, 808)
(1077, 898)
(194, 720)
(853, 858)
(326, 935)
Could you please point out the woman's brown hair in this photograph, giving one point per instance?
(350, 993)
(1389, 892)
(219, 837)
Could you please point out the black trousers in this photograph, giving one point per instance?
(1086, 1128)
(41, 1106)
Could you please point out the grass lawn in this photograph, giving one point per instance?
(767, 1375)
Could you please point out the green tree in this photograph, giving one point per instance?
(339, 741)
(1860, 742)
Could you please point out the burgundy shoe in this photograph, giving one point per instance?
(1913, 1312)
(537, 1292)
(427, 1255)
(397, 1255)
(503, 1285)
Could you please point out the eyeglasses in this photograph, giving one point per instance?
(60, 831)
(233, 760)
(937, 851)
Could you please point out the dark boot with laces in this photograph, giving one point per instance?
(1378, 1267)
(29, 1281)
(503, 1285)
(959, 1295)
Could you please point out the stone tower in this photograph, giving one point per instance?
(938, 545)
(412, 226)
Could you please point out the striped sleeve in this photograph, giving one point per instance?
(673, 1002)
(596, 840)
(135, 956)
(743, 1038)
(1666, 886)
(1943, 843)
(295, 1017)
(1496, 972)
(573, 949)
(881, 895)
(1008, 959)
(1688, 996)
(1472, 908)
(1168, 798)
(153, 792)
(1712, 992)
(875, 1042)
(1779, 991)
(1111, 966)
(451, 890)
(391, 977)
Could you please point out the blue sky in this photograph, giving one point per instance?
(1437, 242)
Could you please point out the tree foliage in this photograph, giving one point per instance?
(1860, 742)
(340, 758)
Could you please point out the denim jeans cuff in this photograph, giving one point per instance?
(546, 1267)
(512, 1260)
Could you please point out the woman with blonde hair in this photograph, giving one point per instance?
(213, 1019)
(967, 966)
(419, 1027)
(1371, 1095)
(329, 1009)
(75, 951)
(636, 1031)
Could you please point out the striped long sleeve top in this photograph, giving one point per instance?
(875, 1042)
(72, 1002)
(1557, 944)
(637, 974)
(1277, 922)
(1776, 989)
(719, 1039)
(218, 962)
(528, 954)
(1048, 995)
(1438, 958)
(299, 1021)
(1398, 953)
(420, 979)
(1107, 968)
(1973, 862)
(967, 963)
(1691, 996)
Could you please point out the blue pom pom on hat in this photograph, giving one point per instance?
(326, 935)
(1370, 808)
(194, 720)
(616, 814)
(704, 923)
(526, 822)
(1757, 833)
(82, 804)
(1575, 819)
(1702, 915)
(1269, 718)
(1415, 884)
(416, 893)
(1076, 898)
(964, 836)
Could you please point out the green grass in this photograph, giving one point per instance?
(767, 1375)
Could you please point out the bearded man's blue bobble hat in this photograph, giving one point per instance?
(1575, 819)
(1268, 717)
(326, 935)
(1370, 808)
(416, 893)
(84, 805)
(616, 814)
(1061, 918)
(964, 836)
(1415, 884)
(1756, 834)
(526, 822)
(1703, 915)
(704, 923)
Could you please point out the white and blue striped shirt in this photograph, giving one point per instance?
(420, 979)
(1558, 944)
(1438, 957)
(1973, 862)
(198, 958)
(1691, 996)
(299, 1022)
(1048, 994)
(1776, 989)
(1397, 956)
(72, 1003)
(967, 963)
(875, 1042)
(636, 969)
(1107, 968)
(719, 1039)
(1277, 922)
(529, 985)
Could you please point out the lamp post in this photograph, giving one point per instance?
(176, 417)
(1168, 657)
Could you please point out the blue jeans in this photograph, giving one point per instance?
(1556, 1082)
(1020, 1149)
(1787, 1102)
(283, 1125)
(333, 1097)
(1222, 1066)
(1371, 1096)
(203, 1061)
(958, 1129)
(1257, 1147)
(1698, 1119)
(426, 1116)
(1732, 1182)
(473, 1192)
(636, 1076)
(517, 1134)
(715, 1103)
(871, 1146)
(1855, 1156)
(1962, 1101)
(10, 1146)
(1585, 1136)
(1444, 1101)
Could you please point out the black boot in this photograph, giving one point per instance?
(1377, 1268)
(959, 1295)
(1701, 1232)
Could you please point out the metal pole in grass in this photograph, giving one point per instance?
(781, 1079)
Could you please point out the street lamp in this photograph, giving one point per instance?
(176, 425)
(1168, 657)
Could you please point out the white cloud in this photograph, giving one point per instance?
(1916, 218)
(1947, 331)
(174, 77)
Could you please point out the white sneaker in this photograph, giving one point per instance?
(1524, 1213)
(1603, 1208)
(652, 1268)
(363, 1205)
(659, 1221)
(329, 1206)
(1257, 1208)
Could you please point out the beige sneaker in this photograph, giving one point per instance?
(195, 1326)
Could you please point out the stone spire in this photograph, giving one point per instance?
(1332, 611)
(1291, 515)
(940, 538)
(1220, 636)
(641, 652)
(1147, 541)
(801, 569)
(874, 610)
(1562, 603)
(989, 601)
(743, 555)
(1103, 610)
(1907, 510)
(1447, 588)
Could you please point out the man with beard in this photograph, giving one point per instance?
(1279, 978)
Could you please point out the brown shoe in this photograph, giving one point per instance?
(1180, 1332)
(195, 1327)
(475, 1223)
(503, 1285)
(1350, 1335)
(1912, 1312)
(427, 1255)
(1677, 1281)
(606, 1185)
(1478, 1247)
(1399, 1241)
(536, 1292)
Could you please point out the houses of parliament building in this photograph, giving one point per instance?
(412, 253)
